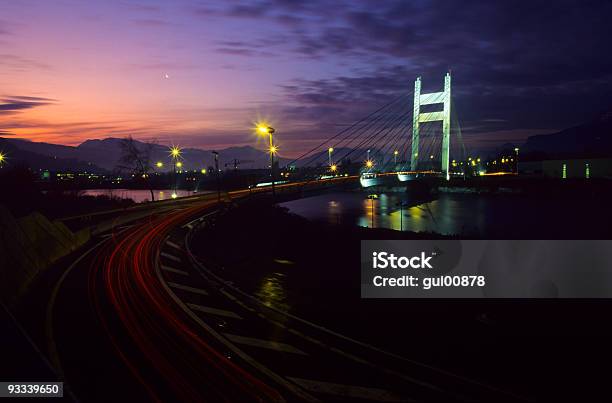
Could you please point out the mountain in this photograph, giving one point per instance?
(17, 155)
(592, 139)
(105, 154)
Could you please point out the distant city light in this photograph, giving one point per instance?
(203, 171)
(2, 158)
(174, 196)
(179, 164)
(369, 163)
(159, 164)
(334, 168)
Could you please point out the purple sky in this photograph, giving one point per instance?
(199, 73)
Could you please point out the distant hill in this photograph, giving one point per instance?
(17, 155)
(592, 139)
(105, 154)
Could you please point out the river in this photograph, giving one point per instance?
(138, 195)
(502, 215)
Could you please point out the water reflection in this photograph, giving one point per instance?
(138, 195)
(271, 291)
(448, 214)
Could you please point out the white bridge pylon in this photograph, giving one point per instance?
(443, 97)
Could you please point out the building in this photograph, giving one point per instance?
(568, 168)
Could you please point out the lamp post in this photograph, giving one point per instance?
(263, 129)
(175, 154)
(216, 154)
(330, 150)
(395, 156)
(516, 152)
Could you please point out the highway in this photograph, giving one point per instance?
(137, 317)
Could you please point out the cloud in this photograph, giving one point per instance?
(514, 64)
(12, 104)
(242, 48)
(20, 64)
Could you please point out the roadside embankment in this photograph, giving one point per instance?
(28, 245)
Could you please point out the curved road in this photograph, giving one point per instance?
(137, 317)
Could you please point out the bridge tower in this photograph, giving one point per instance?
(443, 97)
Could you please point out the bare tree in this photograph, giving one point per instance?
(136, 158)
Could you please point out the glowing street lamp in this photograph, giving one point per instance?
(369, 163)
(2, 158)
(175, 154)
(159, 164)
(395, 156)
(264, 129)
(333, 167)
(330, 150)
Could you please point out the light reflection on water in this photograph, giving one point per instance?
(271, 291)
(138, 195)
(448, 214)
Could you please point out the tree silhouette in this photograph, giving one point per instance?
(136, 159)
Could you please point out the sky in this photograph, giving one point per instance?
(199, 73)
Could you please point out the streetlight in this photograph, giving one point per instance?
(159, 164)
(2, 158)
(395, 156)
(516, 152)
(369, 163)
(333, 168)
(175, 154)
(218, 173)
(330, 150)
(269, 130)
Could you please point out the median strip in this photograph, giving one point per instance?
(173, 270)
(214, 311)
(187, 288)
(171, 257)
(175, 246)
(271, 345)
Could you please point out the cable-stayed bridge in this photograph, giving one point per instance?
(414, 135)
